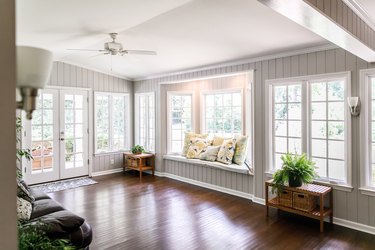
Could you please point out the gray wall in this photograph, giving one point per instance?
(352, 206)
(8, 216)
(66, 75)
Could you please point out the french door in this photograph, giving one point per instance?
(57, 136)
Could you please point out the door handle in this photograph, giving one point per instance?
(62, 136)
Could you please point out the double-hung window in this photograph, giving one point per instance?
(111, 122)
(367, 129)
(222, 113)
(180, 119)
(145, 120)
(309, 115)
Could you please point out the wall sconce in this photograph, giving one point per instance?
(34, 67)
(354, 105)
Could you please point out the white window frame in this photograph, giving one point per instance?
(365, 160)
(221, 91)
(137, 118)
(306, 120)
(127, 122)
(169, 118)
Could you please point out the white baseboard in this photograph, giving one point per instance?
(206, 185)
(354, 225)
(111, 171)
(259, 201)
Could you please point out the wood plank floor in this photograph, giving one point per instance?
(160, 213)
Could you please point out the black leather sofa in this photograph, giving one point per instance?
(61, 222)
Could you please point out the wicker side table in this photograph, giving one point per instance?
(139, 162)
(307, 208)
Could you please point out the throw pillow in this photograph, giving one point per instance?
(23, 193)
(240, 150)
(195, 149)
(210, 154)
(218, 140)
(188, 140)
(226, 151)
(24, 209)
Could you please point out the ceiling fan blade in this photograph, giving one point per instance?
(98, 50)
(139, 52)
(101, 54)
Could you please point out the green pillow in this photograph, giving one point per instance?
(210, 154)
(240, 150)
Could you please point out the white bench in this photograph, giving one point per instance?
(243, 169)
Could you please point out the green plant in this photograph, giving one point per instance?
(33, 236)
(137, 149)
(296, 169)
(26, 153)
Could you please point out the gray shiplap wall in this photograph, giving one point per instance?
(67, 75)
(352, 206)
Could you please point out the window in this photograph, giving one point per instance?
(367, 158)
(145, 120)
(309, 115)
(287, 120)
(222, 113)
(111, 122)
(180, 113)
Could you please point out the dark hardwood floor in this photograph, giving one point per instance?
(160, 213)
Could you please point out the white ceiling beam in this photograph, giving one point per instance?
(310, 18)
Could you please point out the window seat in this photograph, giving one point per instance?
(243, 169)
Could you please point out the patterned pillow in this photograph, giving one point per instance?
(24, 209)
(23, 193)
(226, 151)
(195, 149)
(240, 150)
(188, 140)
(210, 154)
(218, 140)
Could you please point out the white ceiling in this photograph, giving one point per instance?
(186, 34)
(369, 7)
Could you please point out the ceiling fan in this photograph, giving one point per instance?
(113, 48)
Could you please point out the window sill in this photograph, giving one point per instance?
(110, 153)
(370, 191)
(231, 167)
(335, 186)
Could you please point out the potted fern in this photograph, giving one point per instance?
(295, 171)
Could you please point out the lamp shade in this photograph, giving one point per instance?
(353, 101)
(34, 67)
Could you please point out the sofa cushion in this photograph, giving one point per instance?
(24, 193)
(45, 206)
(60, 222)
(38, 194)
(24, 209)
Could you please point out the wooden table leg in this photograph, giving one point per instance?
(140, 168)
(321, 214)
(266, 193)
(153, 165)
(123, 163)
(331, 207)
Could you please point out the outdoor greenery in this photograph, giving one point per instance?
(296, 169)
(34, 236)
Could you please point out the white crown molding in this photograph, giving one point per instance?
(94, 69)
(360, 11)
(243, 61)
